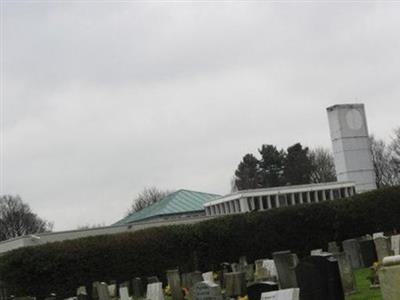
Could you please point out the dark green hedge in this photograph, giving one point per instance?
(61, 267)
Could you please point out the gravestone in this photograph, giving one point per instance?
(103, 291)
(226, 268)
(137, 288)
(186, 280)
(272, 274)
(155, 291)
(383, 248)
(206, 291)
(286, 294)
(333, 247)
(389, 277)
(81, 293)
(112, 290)
(235, 284)
(395, 244)
(249, 271)
(124, 293)
(377, 234)
(95, 294)
(174, 282)
(196, 277)
(243, 261)
(208, 276)
(285, 263)
(368, 252)
(346, 273)
(352, 249)
(255, 290)
(316, 252)
(152, 279)
(261, 272)
(319, 278)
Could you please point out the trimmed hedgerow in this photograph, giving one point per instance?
(62, 266)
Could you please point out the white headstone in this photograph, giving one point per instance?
(155, 291)
(377, 234)
(124, 293)
(208, 276)
(316, 252)
(395, 244)
(269, 264)
(286, 294)
(112, 289)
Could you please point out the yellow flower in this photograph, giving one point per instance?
(167, 290)
(243, 298)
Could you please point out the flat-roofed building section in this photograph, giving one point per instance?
(270, 198)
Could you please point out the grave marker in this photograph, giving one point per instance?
(124, 293)
(319, 278)
(389, 277)
(208, 276)
(383, 248)
(352, 249)
(235, 284)
(395, 244)
(206, 291)
(285, 263)
(103, 291)
(285, 294)
(346, 273)
(255, 290)
(137, 288)
(174, 282)
(155, 291)
(368, 252)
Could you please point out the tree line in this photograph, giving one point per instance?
(280, 167)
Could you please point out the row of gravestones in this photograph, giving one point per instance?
(284, 277)
(323, 275)
(365, 251)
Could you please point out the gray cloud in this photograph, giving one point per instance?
(102, 99)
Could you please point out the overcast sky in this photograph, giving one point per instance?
(103, 99)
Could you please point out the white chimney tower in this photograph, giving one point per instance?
(351, 145)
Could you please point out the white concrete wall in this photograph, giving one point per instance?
(351, 145)
(49, 237)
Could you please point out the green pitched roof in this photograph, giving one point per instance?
(181, 201)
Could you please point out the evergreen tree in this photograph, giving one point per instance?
(271, 166)
(298, 165)
(247, 175)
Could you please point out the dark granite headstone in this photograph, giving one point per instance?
(368, 252)
(137, 288)
(235, 284)
(319, 279)
(255, 290)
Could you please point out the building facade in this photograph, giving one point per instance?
(270, 198)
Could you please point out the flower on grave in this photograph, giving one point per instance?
(215, 276)
(167, 290)
(243, 298)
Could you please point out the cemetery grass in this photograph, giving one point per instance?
(364, 292)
